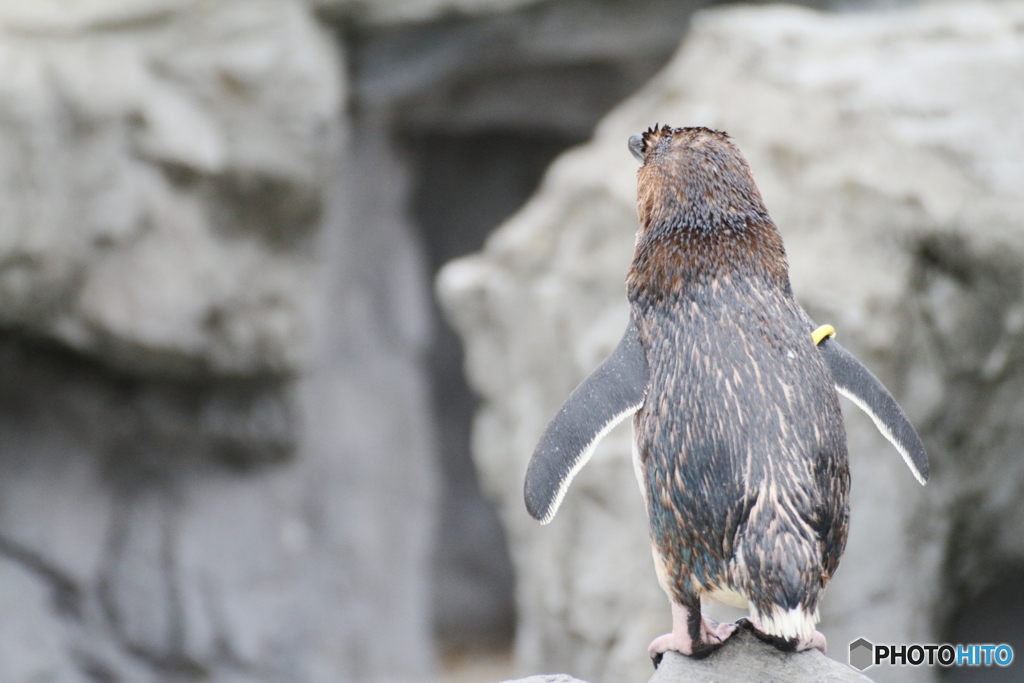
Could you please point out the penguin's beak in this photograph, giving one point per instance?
(636, 146)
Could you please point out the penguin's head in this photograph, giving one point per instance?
(663, 140)
(700, 213)
(693, 175)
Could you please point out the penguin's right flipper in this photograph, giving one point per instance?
(858, 384)
(613, 392)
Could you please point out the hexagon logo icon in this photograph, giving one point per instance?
(861, 654)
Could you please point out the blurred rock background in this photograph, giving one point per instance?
(234, 428)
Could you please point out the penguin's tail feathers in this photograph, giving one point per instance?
(788, 623)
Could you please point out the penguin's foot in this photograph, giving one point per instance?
(816, 639)
(799, 644)
(692, 634)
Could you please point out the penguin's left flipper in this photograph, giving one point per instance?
(858, 384)
(613, 392)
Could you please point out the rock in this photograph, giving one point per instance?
(548, 678)
(54, 16)
(888, 149)
(548, 70)
(214, 429)
(745, 658)
(162, 188)
(31, 646)
(372, 481)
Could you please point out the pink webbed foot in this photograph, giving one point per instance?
(816, 640)
(710, 635)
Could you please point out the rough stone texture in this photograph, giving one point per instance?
(745, 658)
(552, 68)
(370, 422)
(548, 678)
(214, 429)
(889, 149)
(50, 16)
(160, 182)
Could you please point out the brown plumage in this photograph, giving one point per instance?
(740, 442)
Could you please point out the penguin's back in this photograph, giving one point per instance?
(741, 440)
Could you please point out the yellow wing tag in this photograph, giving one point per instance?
(822, 333)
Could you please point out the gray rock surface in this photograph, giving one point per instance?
(214, 428)
(162, 186)
(744, 658)
(546, 678)
(553, 68)
(888, 149)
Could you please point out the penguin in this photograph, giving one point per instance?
(739, 446)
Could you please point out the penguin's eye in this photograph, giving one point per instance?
(636, 146)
